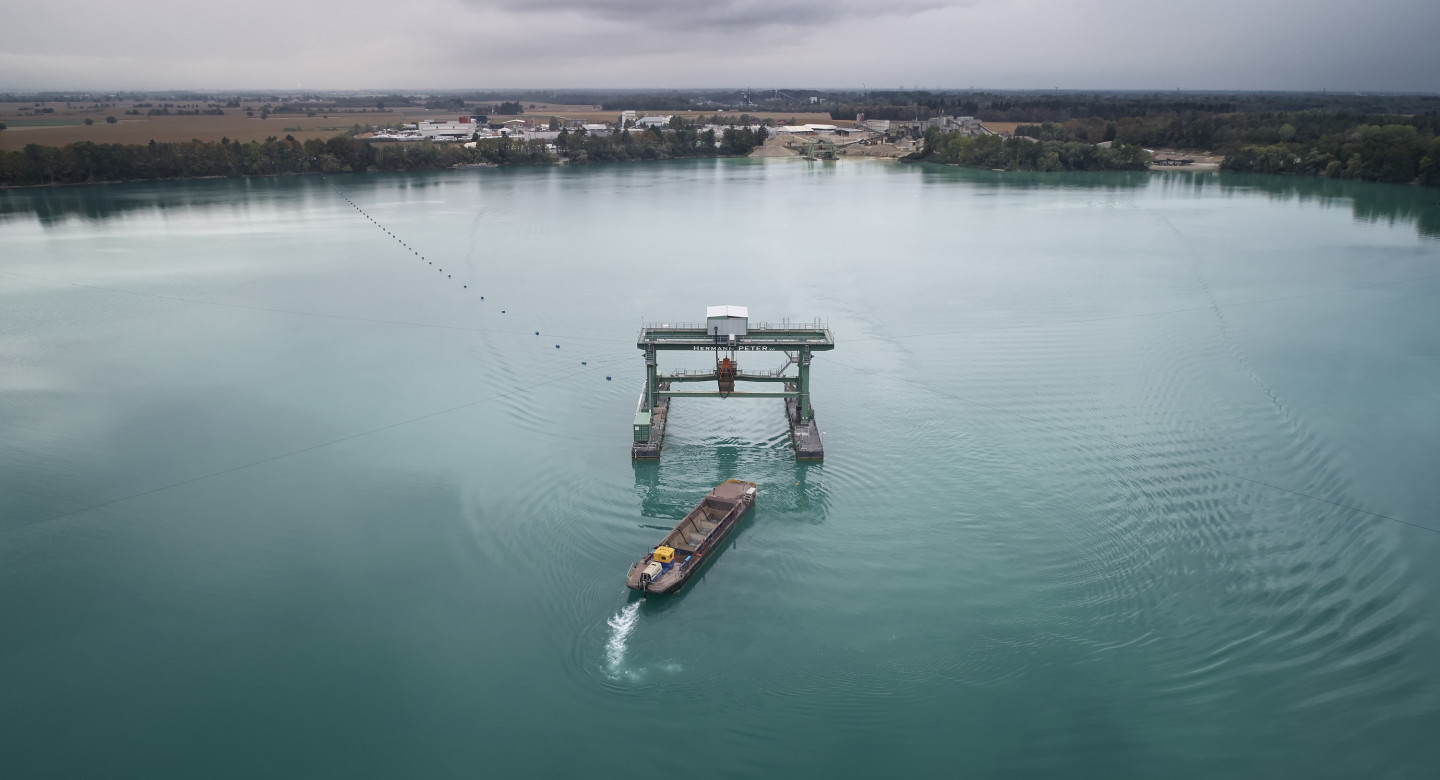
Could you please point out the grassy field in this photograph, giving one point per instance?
(67, 125)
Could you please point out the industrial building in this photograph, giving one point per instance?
(462, 128)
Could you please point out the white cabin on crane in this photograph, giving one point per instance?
(727, 320)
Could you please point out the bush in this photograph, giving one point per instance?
(1023, 154)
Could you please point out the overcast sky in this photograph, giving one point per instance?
(1017, 44)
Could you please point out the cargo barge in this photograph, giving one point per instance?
(694, 540)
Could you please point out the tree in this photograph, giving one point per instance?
(110, 120)
(89, 121)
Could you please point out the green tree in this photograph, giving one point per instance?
(110, 120)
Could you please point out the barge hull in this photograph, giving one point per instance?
(697, 538)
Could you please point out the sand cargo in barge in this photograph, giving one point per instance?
(694, 540)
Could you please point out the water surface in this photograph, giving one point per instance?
(1119, 470)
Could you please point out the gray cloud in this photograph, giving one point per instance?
(444, 44)
(730, 15)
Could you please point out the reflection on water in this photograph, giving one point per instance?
(1369, 202)
(653, 502)
(934, 173)
(52, 206)
(797, 486)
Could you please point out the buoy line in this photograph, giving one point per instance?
(403, 245)
(412, 250)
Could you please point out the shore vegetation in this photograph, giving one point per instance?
(88, 162)
(1384, 148)
(1025, 154)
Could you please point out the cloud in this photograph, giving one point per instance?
(730, 15)
(470, 44)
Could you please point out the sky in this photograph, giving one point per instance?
(1380, 45)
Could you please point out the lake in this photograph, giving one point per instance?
(1126, 475)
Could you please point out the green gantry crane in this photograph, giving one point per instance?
(727, 332)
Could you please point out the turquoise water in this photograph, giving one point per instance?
(1123, 477)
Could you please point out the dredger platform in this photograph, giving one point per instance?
(727, 332)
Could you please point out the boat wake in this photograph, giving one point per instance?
(622, 624)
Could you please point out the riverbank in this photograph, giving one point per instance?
(1019, 153)
(90, 163)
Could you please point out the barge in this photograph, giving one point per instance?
(694, 540)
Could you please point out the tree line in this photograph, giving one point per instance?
(86, 161)
(681, 140)
(1384, 148)
(1037, 107)
(1024, 154)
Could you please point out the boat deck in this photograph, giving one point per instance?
(697, 536)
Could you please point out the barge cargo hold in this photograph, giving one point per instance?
(694, 540)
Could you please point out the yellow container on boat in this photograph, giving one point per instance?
(664, 554)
